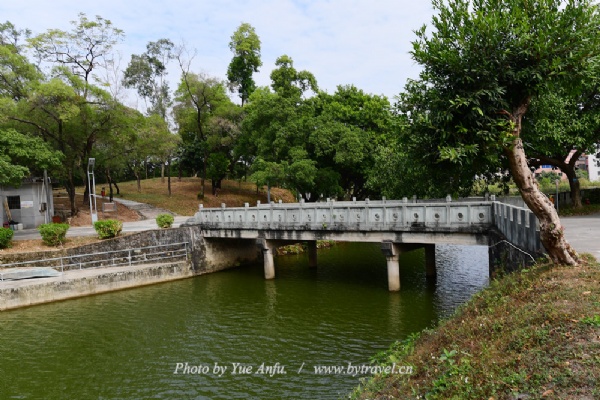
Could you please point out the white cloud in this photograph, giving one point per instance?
(360, 42)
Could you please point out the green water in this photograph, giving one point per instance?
(129, 344)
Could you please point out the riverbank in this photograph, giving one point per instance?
(87, 282)
(529, 335)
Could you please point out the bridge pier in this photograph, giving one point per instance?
(312, 254)
(391, 251)
(268, 250)
(430, 267)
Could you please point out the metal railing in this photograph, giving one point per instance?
(115, 258)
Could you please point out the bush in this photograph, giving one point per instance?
(108, 228)
(53, 234)
(6, 235)
(164, 220)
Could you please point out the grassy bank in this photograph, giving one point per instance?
(533, 334)
(587, 209)
(184, 192)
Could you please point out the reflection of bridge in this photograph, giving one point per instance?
(399, 226)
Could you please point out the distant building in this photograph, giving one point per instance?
(593, 168)
(550, 168)
(29, 205)
(586, 162)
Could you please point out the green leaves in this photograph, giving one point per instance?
(20, 155)
(483, 62)
(245, 46)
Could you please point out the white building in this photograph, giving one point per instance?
(30, 204)
(593, 165)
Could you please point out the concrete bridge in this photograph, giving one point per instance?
(398, 225)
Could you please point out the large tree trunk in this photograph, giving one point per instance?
(70, 186)
(574, 187)
(551, 230)
(138, 178)
(110, 184)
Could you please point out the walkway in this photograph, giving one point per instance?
(583, 233)
(147, 211)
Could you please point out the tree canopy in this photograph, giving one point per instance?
(483, 63)
(245, 45)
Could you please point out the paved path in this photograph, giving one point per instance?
(146, 211)
(583, 233)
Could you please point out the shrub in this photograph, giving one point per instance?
(108, 228)
(164, 220)
(6, 235)
(53, 234)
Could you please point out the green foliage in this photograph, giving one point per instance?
(164, 220)
(147, 74)
(245, 46)
(108, 228)
(19, 153)
(547, 180)
(218, 165)
(593, 321)
(53, 234)
(483, 63)
(324, 145)
(6, 235)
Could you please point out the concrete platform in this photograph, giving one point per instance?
(79, 283)
(13, 274)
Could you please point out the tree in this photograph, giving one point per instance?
(82, 49)
(71, 111)
(483, 63)
(197, 99)
(349, 126)
(245, 46)
(289, 82)
(21, 155)
(218, 165)
(147, 74)
(565, 124)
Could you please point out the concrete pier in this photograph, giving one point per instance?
(268, 250)
(430, 267)
(391, 252)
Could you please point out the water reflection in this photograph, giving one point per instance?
(127, 344)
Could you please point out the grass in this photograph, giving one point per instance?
(587, 209)
(533, 334)
(184, 201)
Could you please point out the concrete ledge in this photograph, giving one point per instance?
(79, 283)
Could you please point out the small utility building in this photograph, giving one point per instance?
(29, 205)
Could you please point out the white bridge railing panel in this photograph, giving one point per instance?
(363, 215)
(519, 225)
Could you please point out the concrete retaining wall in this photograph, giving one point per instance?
(15, 294)
(204, 259)
(204, 256)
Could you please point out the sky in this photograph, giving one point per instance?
(361, 42)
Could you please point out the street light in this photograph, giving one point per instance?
(92, 190)
(556, 181)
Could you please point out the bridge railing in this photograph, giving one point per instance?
(519, 225)
(394, 215)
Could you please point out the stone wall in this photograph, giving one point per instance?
(204, 257)
(506, 257)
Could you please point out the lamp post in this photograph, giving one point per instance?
(556, 181)
(92, 190)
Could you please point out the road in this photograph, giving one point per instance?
(583, 233)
